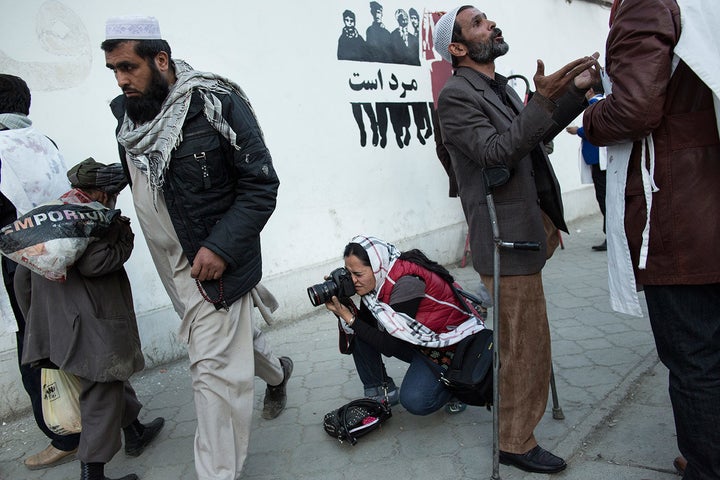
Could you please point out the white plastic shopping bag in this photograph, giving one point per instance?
(61, 401)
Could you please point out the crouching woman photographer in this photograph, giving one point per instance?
(409, 311)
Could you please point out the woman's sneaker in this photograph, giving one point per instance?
(378, 394)
(455, 406)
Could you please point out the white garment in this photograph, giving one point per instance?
(621, 277)
(585, 169)
(699, 43)
(32, 171)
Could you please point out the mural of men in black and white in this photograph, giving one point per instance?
(404, 44)
(378, 37)
(351, 46)
(415, 34)
(379, 119)
(395, 115)
(414, 22)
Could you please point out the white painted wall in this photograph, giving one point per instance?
(284, 55)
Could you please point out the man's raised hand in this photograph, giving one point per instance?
(584, 72)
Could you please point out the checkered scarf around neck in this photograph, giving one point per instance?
(149, 145)
(382, 258)
(14, 121)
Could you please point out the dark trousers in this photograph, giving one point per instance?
(420, 393)
(599, 178)
(105, 408)
(686, 323)
(370, 366)
(31, 376)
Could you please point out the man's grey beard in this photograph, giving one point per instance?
(484, 53)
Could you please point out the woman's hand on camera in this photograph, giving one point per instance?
(340, 310)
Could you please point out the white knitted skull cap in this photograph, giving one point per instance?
(132, 27)
(442, 35)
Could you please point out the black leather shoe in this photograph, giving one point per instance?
(96, 471)
(537, 460)
(276, 397)
(139, 436)
(601, 248)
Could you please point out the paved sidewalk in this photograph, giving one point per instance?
(613, 393)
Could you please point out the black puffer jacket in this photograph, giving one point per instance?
(218, 197)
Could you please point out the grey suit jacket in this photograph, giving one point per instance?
(479, 130)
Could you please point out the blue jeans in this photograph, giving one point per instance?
(686, 323)
(421, 393)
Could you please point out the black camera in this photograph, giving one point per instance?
(339, 285)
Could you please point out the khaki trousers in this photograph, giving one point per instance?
(225, 348)
(221, 367)
(525, 359)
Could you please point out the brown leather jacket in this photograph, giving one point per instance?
(678, 111)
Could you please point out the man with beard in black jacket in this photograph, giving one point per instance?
(203, 186)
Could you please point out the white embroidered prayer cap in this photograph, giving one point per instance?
(442, 35)
(132, 27)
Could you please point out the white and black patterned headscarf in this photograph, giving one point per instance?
(149, 145)
(382, 258)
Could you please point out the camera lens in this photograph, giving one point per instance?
(322, 292)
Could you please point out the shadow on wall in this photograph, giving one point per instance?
(61, 33)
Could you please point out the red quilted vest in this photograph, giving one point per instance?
(439, 310)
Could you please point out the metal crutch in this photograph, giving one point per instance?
(496, 176)
(557, 412)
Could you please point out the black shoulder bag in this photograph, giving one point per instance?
(470, 375)
(355, 419)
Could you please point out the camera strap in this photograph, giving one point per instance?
(346, 334)
(469, 302)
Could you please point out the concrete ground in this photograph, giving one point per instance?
(612, 391)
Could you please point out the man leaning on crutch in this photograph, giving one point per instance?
(484, 123)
